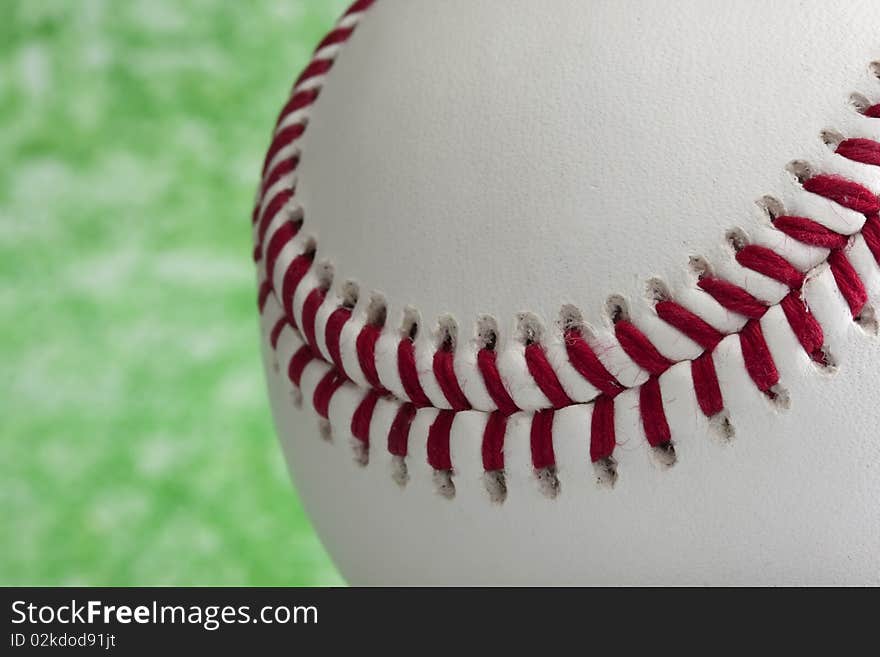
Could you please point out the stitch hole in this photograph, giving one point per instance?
(548, 482)
(779, 397)
(859, 102)
(617, 308)
(409, 327)
(529, 328)
(867, 320)
(447, 333)
(324, 273)
(831, 138)
(700, 266)
(399, 471)
(349, 294)
(874, 69)
(443, 484)
(721, 426)
(496, 485)
(800, 169)
(296, 397)
(606, 472)
(771, 206)
(570, 319)
(487, 332)
(361, 452)
(657, 290)
(664, 454)
(325, 430)
(737, 239)
(377, 311)
(824, 361)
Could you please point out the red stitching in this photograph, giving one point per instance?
(602, 433)
(588, 365)
(544, 376)
(541, 439)
(493, 442)
(706, 385)
(653, 416)
(366, 351)
(332, 333)
(444, 370)
(398, 436)
(298, 363)
(848, 281)
(756, 354)
(363, 417)
(328, 385)
(409, 376)
(438, 441)
(639, 348)
(693, 326)
(486, 362)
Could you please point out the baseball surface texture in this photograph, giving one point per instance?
(581, 291)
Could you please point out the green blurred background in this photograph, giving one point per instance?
(137, 446)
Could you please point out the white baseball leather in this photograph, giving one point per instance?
(495, 157)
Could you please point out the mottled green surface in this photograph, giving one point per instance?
(137, 446)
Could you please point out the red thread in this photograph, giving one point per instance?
(706, 385)
(296, 270)
(494, 385)
(283, 168)
(693, 326)
(337, 36)
(871, 235)
(298, 362)
(545, 377)
(438, 441)
(263, 294)
(363, 416)
(493, 441)
(276, 331)
(298, 101)
(653, 416)
(282, 139)
(771, 264)
(844, 192)
(602, 437)
(759, 362)
(309, 312)
(541, 439)
(409, 376)
(398, 435)
(848, 282)
(873, 112)
(359, 5)
(332, 333)
(274, 207)
(279, 240)
(324, 391)
(733, 297)
(640, 349)
(444, 372)
(314, 69)
(366, 351)
(809, 232)
(584, 360)
(866, 151)
(806, 328)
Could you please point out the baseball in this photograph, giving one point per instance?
(581, 291)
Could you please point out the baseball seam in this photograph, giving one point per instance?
(345, 353)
